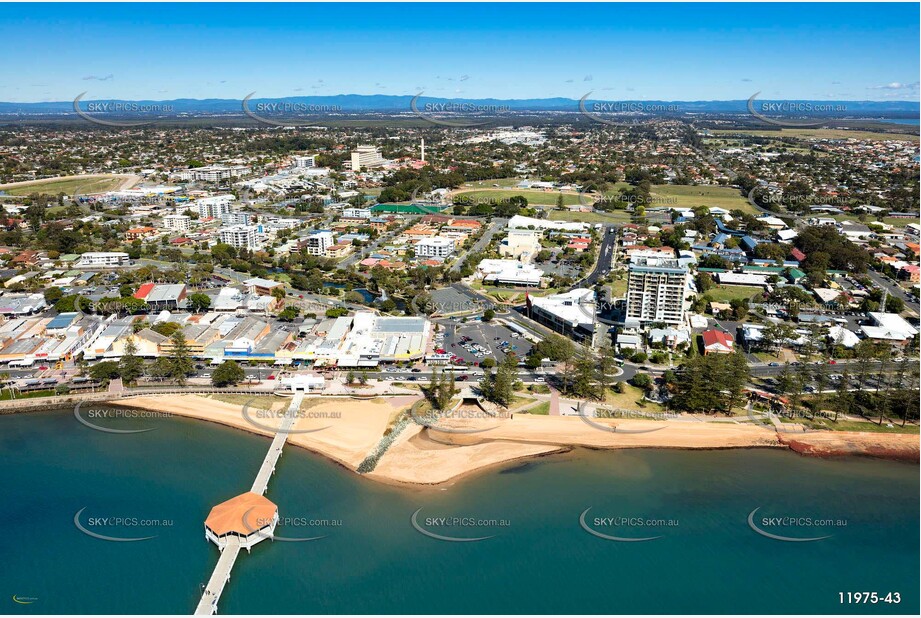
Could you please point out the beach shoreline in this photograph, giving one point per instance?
(423, 457)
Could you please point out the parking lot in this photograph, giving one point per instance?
(483, 340)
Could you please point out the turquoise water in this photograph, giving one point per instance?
(539, 560)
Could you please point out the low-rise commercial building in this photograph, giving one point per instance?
(571, 314)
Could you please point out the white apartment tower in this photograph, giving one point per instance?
(239, 236)
(655, 290)
(318, 242)
(181, 223)
(436, 247)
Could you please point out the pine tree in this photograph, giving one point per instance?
(606, 367)
(131, 367)
(181, 362)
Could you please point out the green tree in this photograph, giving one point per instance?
(53, 295)
(227, 373)
(489, 315)
(181, 365)
(104, 371)
(199, 302)
(131, 366)
(606, 369)
(584, 378)
(288, 314)
(641, 380)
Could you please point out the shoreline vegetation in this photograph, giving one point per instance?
(346, 431)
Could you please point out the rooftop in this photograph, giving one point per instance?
(243, 515)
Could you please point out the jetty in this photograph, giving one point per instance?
(231, 544)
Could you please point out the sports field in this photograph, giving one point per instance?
(821, 134)
(544, 198)
(685, 196)
(70, 185)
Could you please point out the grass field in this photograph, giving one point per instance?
(843, 425)
(488, 184)
(70, 186)
(541, 408)
(821, 134)
(724, 294)
(684, 196)
(619, 216)
(627, 400)
(546, 198)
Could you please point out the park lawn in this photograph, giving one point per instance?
(266, 402)
(547, 198)
(541, 408)
(71, 186)
(842, 425)
(507, 183)
(617, 216)
(726, 293)
(689, 196)
(821, 134)
(8, 396)
(627, 400)
(619, 287)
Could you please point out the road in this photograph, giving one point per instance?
(605, 258)
(491, 229)
(894, 289)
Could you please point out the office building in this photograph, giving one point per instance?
(571, 314)
(366, 157)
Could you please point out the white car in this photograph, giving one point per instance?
(538, 379)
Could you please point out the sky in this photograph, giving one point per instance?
(680, 52)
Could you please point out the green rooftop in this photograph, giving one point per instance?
(763, 269)
(406, 209)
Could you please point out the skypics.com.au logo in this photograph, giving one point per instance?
(450, 527)
(260, 525)
(792, 113)
(109, 113)
(438, 420)
(457, 114)
(591, 419)
(94, 415)
(117, 528)
(624, 114)
(626, 526)
(794, 528)
(286, 113)
(261, 418)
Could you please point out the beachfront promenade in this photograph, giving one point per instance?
(221, 575)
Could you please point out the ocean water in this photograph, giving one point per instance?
(371, 559)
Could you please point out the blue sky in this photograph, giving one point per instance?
(619, 51)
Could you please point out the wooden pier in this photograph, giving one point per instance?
(207, 606)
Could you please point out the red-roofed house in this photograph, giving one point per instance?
(797, 255)
(717, 342)
(144, 290)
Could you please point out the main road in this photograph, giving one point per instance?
(605, 258)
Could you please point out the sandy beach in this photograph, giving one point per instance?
(347, 430)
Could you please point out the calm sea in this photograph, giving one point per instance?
(538, 559)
